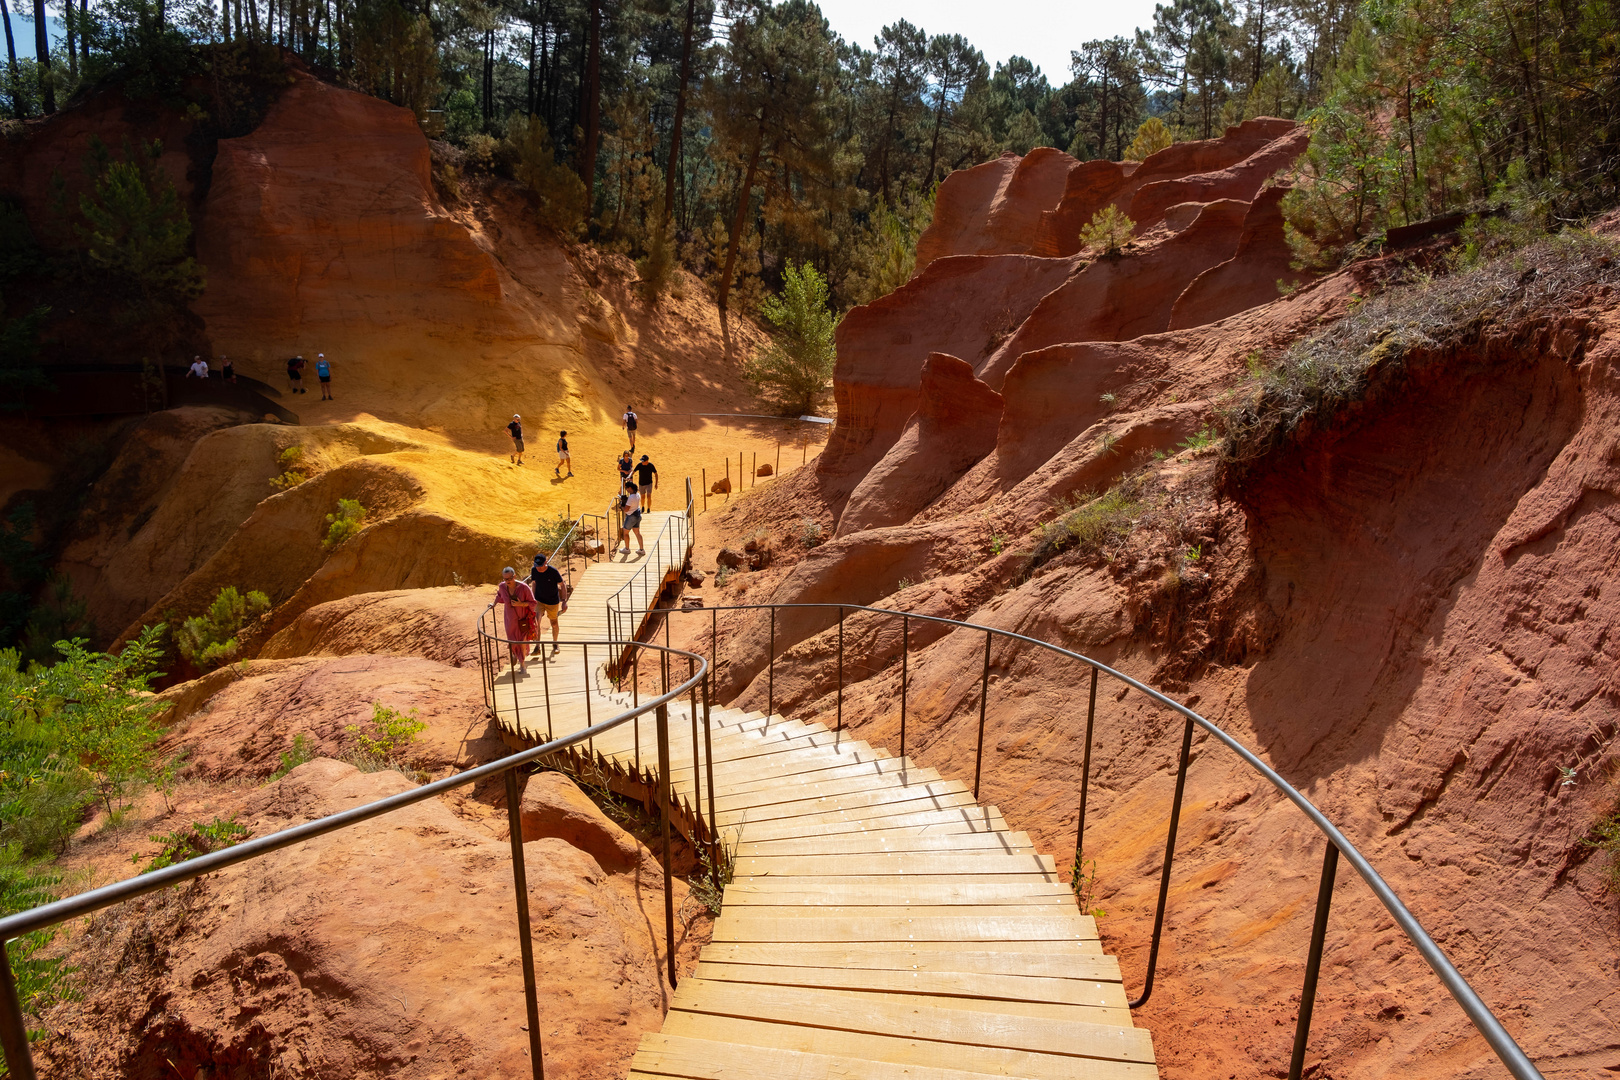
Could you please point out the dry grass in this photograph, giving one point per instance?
(1316, 378)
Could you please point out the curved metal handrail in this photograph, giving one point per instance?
(1479, 1014)
(13, 1030)
(682, 525)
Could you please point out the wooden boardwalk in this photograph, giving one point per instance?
(880, 924)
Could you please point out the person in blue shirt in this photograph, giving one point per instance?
(323, 372)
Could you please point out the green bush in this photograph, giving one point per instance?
(559, 189)
(1089, 526)
(301, 751)
(41, 981)
(1605, 837)
(794, 370)
(1108, 232)
(551, 531)
(656, 269)
(195, 839)
(386, 740)
(344, 523)
(291, 461)
(1151, 137)
(209, 640)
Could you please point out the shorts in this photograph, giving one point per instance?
(562, 455)
(550, 610)
(646, 491)
(326, 378)
(294, 376)
(519, 444)
(633, 521)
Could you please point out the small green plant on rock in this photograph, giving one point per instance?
(1083, 880)
(551, 531)
(1108, 232)
(1199, 441)
(344, 523)
(194, 840)
(301, 751)
(715, 870)
(291, 461)
(1605, 837)
(386, 741)
(810, 532)
(209, 640)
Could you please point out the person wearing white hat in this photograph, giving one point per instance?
(323, 372)
(515, 428)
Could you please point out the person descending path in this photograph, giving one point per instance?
(630, 426)
(562, 455)
(626, 463)
(295, 374)
(323, 372)
(629, 504)
(227, 370)
(646, 480)
(551, 593)
(519, 618)
(198, 369)
(515, 429)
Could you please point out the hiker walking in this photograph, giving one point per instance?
(630, 426)
(646, 480)
(198, 369)
(629, 504)
(551, 593)
(626, 463)
(515, 429)
(519, 616)
(562, 455)
(295, 374)
(227, 370)
(323, 372)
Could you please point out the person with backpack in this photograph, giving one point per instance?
(629, 504)
(518, 616)
(515, 429)
(562, 455)
(630, 426)
(551, 594)
(646, 480)
(323, 372)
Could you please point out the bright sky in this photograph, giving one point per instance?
(1044, 32)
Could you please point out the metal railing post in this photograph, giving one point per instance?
(13, 1028)
(770, 678)
(714, 642)
(984, 697)
(1085, 775)
(520, 883)
(905, 675)
(708, 757)
(840, 668)
(1313, 961)
(545, 679)
(697, 757)
(585, 662)
(662, 713)
(1169, 858)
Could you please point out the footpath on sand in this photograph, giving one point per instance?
(879, 923)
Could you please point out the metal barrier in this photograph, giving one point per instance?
(13, 1029)
(679, 530)
(1506, 1049)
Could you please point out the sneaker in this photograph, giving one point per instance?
(512, 458)
(555, 649)
(558, 473)
(566, 477)
(641, 551)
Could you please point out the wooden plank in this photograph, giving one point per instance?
(898, 863)
(994, 1061)
(868, 843)
(800, 788)
(798, 891)
(702, 1059)
(936, 796)
(900, 1017)
(982, 818)
(1093, 994)
(1028, 959)
(732, 926)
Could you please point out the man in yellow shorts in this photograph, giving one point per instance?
(551, 594)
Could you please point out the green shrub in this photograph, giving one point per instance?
(810, 532)
(795, 368)
(291, 461)
(551, 531)
(344, 523)
(41, 981)
(1605, 837)
(301, 751)
(209, 640)
(656, 269)
(195, 839)
(1151, 137)
(385, 741)
(1088, 526)
(1108, 232)
(561, 193)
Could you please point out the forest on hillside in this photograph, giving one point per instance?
(737, 135)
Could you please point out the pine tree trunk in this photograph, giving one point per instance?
(11, 65)
(680, 113)
(742, 215)
(253, 20)
(42, 53)
(534, 43)
(592, 106)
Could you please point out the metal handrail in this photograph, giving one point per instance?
(13, 1029)
(1479, 1014)
(683, 524)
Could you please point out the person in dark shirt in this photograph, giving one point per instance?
(551, 593)
(515, 429)
(562, 455)
(626, 464)
(227, 369)
(646, 480)
(295, 374)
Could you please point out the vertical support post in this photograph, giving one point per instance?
(714, 642)
(770, 678)
(708, 757)
(905, 675)
(1085, 774)
(705, 489)
(778, 470)
(1169, 858)
(635, 697)
(697, 757)
(663, 803)
(520, 883)
(545, 678)
(13, 1028)
(984, 697)
(753, 480)
(1313, 960)
(840, 668)
(585, 659)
